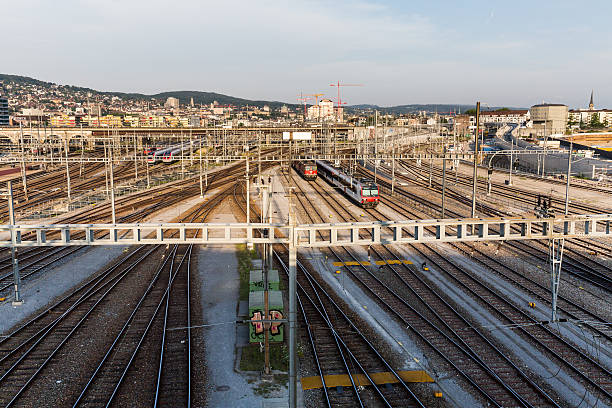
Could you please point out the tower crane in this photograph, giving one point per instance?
(303, 98)
(340, 103)
(315, 98)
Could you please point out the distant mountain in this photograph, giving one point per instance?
(199, 97)
(414, 108)
(79, 94)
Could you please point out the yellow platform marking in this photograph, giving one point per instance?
(336, 380)
(379, 263)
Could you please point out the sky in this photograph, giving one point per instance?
(502, 53)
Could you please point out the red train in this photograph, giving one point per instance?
(306, 169)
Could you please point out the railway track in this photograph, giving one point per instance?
(134, 208)
(487, 370)
(339, 346)
(35, 348)
(575, 263)
(511, 192)
(584, 368)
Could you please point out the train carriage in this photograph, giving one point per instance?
(362, 191)
(306, 169)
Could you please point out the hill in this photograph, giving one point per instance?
(414, 108)
(79, 93)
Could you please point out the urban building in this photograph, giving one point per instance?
(323, 111)
(549, 118)
(464, 124)
(505, 116)
(585, 117)
(172, 103)
(4, 112)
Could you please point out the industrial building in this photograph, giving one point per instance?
(549, 118)
(4, 113)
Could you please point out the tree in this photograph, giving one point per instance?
(595, 123)
(470, 111)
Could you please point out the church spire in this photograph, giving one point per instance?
(591, 106)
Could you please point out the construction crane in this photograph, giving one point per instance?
(303, 98)
(316, 101)
(340, 103)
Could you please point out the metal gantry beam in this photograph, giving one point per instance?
(307, 235)
(15, 159)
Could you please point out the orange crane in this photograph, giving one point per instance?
(338, 85)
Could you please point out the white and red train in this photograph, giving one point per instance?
(306, 169)
(360, 190)
(170, 154)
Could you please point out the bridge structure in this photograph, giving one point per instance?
(295, 236)
(48, 133)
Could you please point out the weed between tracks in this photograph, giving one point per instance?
(244, 257)
(253, 359)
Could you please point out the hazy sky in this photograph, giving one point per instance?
(512, 53)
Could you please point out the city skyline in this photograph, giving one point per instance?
(510, 54)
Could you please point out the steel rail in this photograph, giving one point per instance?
(464, 347)
(600, 279)
(470, 250)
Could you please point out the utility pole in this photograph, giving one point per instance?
(569, 169)
(23, 166)
(292, 307)
(82, 153)
(475, 175)
(511, 161)
(375, 144)
(112, 182)
(258, 154)
(430, 163)
(17, 279)
(135, 159)
(392, 168)
(182, 156)
(67, 173)
(248, 194)
(190, 146)
(544, 154)
(201, 187)
(444, 182)
(148, 178)
(106, 169)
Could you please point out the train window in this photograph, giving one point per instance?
(370, 192)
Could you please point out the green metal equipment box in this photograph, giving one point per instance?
(256, 312)
(273, 282)
(256, 280)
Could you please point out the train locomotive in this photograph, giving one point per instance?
(360, 190)
(306, 169)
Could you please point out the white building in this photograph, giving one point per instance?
(172, 103)
(505, 116)
(576, 117)
(323, 111)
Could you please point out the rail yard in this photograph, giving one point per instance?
(140, 270)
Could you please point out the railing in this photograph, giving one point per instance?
(310, 235)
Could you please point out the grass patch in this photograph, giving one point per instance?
(266, 388)
(253, 360)
(244, 257)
